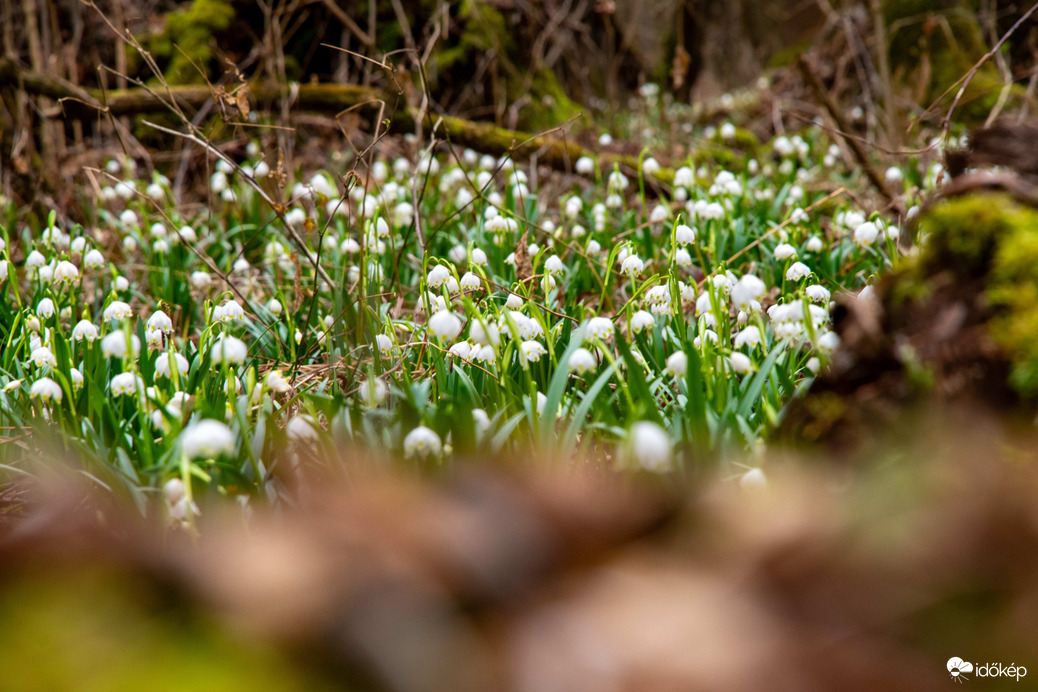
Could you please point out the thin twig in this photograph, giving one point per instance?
(859, 151)
(946, 123)
(300, 243)
(835, 193)
(348, 22)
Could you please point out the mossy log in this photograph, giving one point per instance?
(77, 103)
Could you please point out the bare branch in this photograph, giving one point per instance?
(300, 243)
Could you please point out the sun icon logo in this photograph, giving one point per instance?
(958, 668)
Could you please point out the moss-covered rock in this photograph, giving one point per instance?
(964, 234)
(1013, 291)
(996, 238)
(958, 322)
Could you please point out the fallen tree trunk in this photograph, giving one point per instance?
(77, 103)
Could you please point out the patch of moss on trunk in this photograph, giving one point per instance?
(995, 239)
(187, 39)
(933, 43)
(485, 31)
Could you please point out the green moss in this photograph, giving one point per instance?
(788, 56)
(556, 109)
(826, 410)
(103, 631)
(937, 42)
(731, 154)
(1013, 290)
(994, 239)
(709, 155)
(988, 240)
(919, 374)
(484, 30)
(906, 284)
(964, 234)
(743, 140)
(187, 40)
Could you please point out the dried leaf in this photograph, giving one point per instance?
(679, 69)
(241, 100)
(220, 98)
(523, 265)
(279, 176)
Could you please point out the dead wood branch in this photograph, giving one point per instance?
(77, 103)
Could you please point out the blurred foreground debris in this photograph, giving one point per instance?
(544, 582)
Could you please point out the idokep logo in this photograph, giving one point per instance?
(960, 670)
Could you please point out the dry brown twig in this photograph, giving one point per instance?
(255, 186)
(855, 145)
(968, 77)
(348, 22)
(197, 137)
